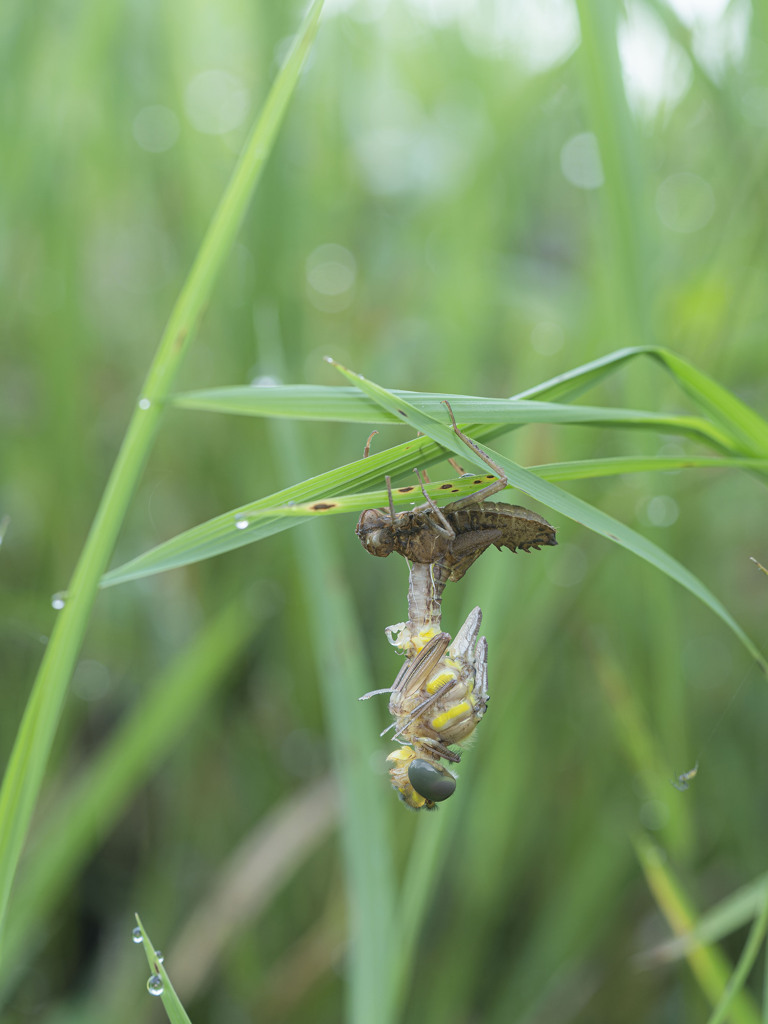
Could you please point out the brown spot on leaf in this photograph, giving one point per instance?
(321, 506)
(406, 490)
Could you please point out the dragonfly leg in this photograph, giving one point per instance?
(492, 488)
(434, 748)
(442, 526)
(391, 502)
(367, 448)
(427, 703)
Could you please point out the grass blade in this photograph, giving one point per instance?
(567, 504)
(748, 429)
(709, 966)
(267, 517)
(726, 916)
(85, 813)
(347, 405)
(334, 632)
(171, 1002)
(744, 966)
(23, 777)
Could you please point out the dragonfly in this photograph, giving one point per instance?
(437, 700)
(453, 537)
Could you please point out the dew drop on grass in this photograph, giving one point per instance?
(144, 403)
(241, 521)
(58, 602)
(155, 985)
(159, 957)
(136, 935)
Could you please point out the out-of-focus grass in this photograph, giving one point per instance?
(433, 152)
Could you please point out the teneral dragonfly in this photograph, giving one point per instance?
(437, 700)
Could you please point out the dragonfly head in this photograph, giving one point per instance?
(374, 528)
(420, 783)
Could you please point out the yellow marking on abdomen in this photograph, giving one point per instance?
(446, 676)
(439, 722)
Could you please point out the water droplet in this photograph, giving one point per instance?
(159, 957)
(144, 403)
(58, 601)
(136, 935)
(241, 521)
(155, 985)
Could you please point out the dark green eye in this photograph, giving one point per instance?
(431, 781)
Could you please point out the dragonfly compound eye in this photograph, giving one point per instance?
(430, 780)
(374, 529)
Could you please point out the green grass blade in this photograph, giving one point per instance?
(346, 405)
(26, 766)
(727, 410)
(708, 964)
(567, 504)
(290, 507)
(85, 812)
(222, 534)
(171, 1002)
(590, 469)
(623, 231)
(334, 632)
(744, 966)
(748, 429)
(725, 917)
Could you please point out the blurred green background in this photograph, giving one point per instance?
(466, 197)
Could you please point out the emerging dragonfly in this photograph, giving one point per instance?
(437, 700)
(441, 692)
(425, 596)
(451, 538)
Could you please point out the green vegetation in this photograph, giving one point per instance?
(440, 199)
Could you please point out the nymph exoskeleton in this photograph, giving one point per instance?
(451, 538)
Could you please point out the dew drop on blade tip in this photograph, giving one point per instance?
(155, 985)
